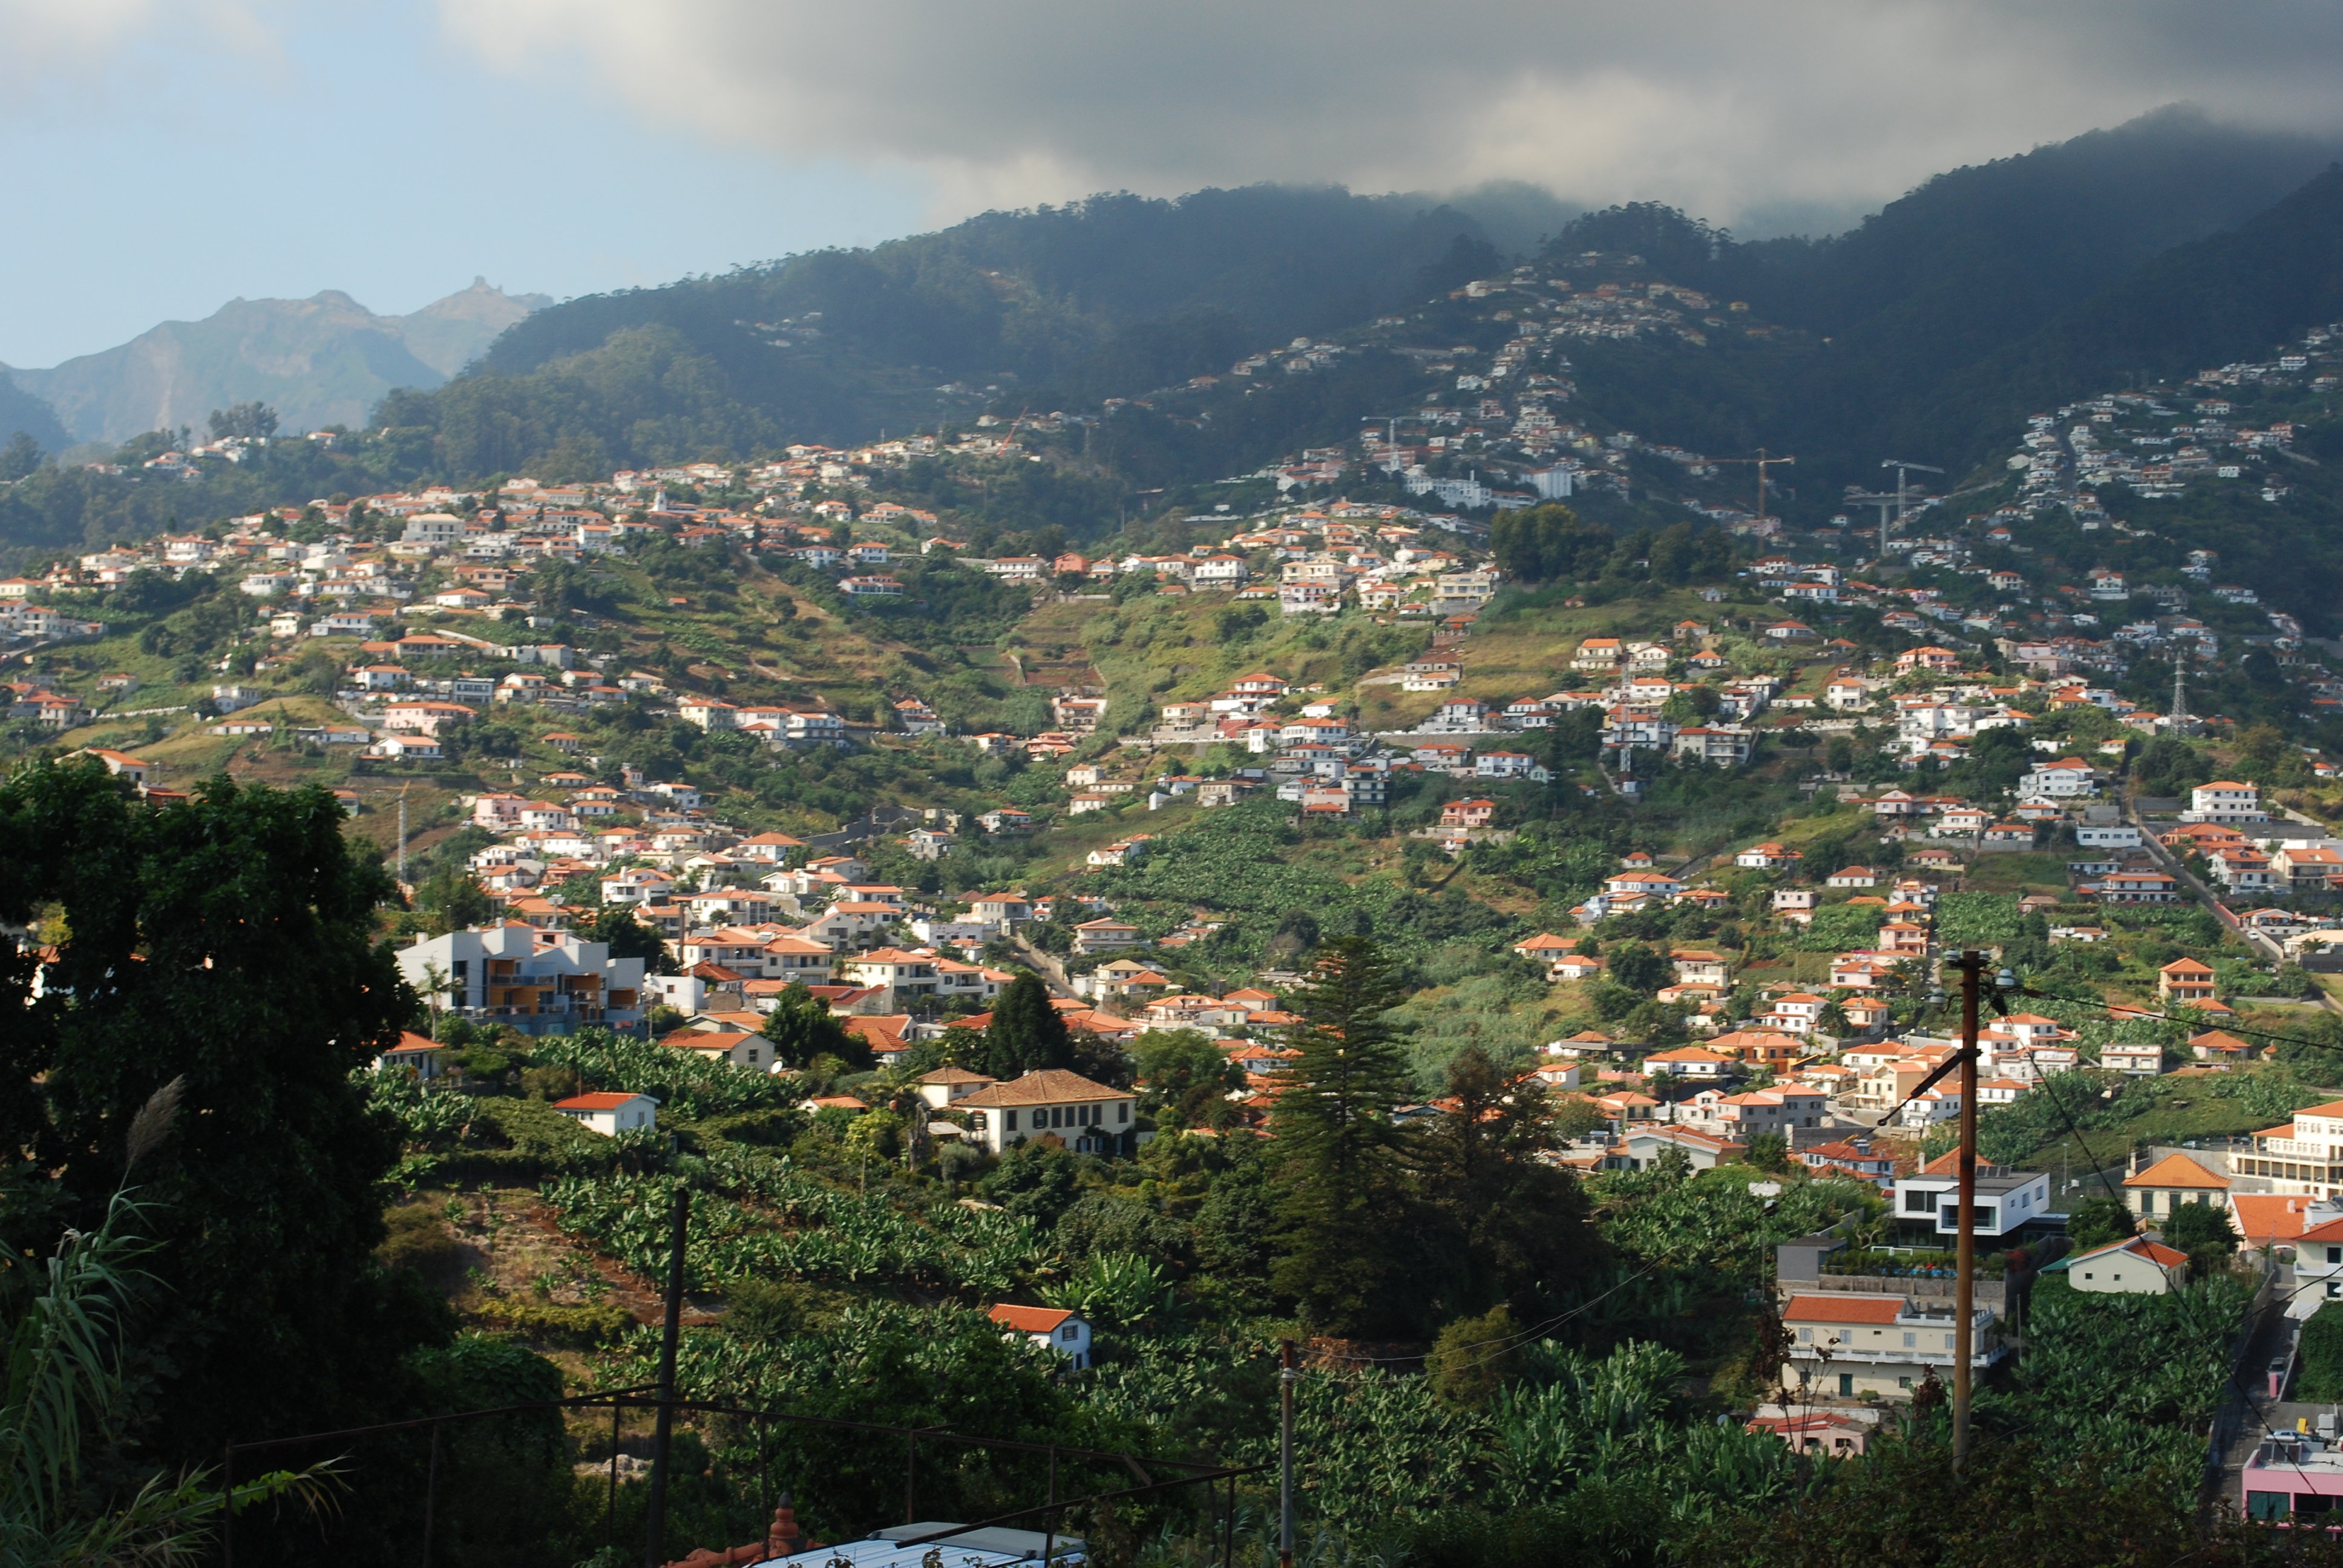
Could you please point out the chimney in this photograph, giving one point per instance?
(783, 1538)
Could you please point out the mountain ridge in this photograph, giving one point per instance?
(323, 360)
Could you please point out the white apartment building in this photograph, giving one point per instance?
(539, 982)
(2225, 800)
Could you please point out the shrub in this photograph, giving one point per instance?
(586, 1326)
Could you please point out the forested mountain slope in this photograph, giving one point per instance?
(1890, 319)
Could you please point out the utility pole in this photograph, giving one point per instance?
(1971, 965)
(1965, 1285)
(654, 1541)
(1287, 1374)
(402, 832)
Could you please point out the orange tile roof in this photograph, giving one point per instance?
(2178, 1171)
(1029, 1320)
(2269, 1216)
(1044, 1086)
(1842, 1309)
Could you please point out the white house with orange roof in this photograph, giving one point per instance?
(1051, 1103)
(2170, 1182)
(1653, 884)
(2302, 1158)
(1068, 1333)
(1700, 965)
(1689, 1061)
(611, 1114)
(2318, 1259)
(2133, 1267)
(1851, 1346)
(1903, 939)
(2225, 800)
(2269, 1220)
(1781, 1108)
(2185, 980)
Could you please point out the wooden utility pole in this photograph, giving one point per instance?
(1970, 964)
(654, 1541)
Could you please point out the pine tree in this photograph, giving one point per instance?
(1026, 1033)
(1342, 1157)
(1508, 1226)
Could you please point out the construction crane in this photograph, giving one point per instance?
(1762, 461)
(1904, 471)
(1883, 500)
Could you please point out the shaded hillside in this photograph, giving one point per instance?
(2232, 296)
(324, 360)
(1941, 280)
(1106, 297)
(21, 410)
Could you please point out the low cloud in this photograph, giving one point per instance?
(1730, 109)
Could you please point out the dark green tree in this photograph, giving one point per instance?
(228, 941)
(253, 419)
(1508, 1228)
(1543, 544)
(2203, 1231)
(1342, 1158)
(1638, 967)
(802, 1027)
(630, 938)
(1026, 1033)
(2095, 1222)
(455, 901)
(1188, 1078)
(21, 457)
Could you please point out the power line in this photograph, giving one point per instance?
(1523, 1336)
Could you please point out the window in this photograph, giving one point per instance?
(2147, 1203)
(1846, 1385)
(1009, 1122)
(1900, 1382)
(1910, 1341)
(2335, 1255)
(1123, 1112)
(1806, 1336)
(1948, 1342)
(2335, 1289)
(1920, 1202)
(1070, 1332)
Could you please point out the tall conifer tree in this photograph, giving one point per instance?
(1342, 1156)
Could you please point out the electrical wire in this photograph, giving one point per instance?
(1513, 1341)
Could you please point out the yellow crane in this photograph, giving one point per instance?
(1762, 461)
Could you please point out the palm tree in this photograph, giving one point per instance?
(63, 1378)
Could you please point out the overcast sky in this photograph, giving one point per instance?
(162, 158)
